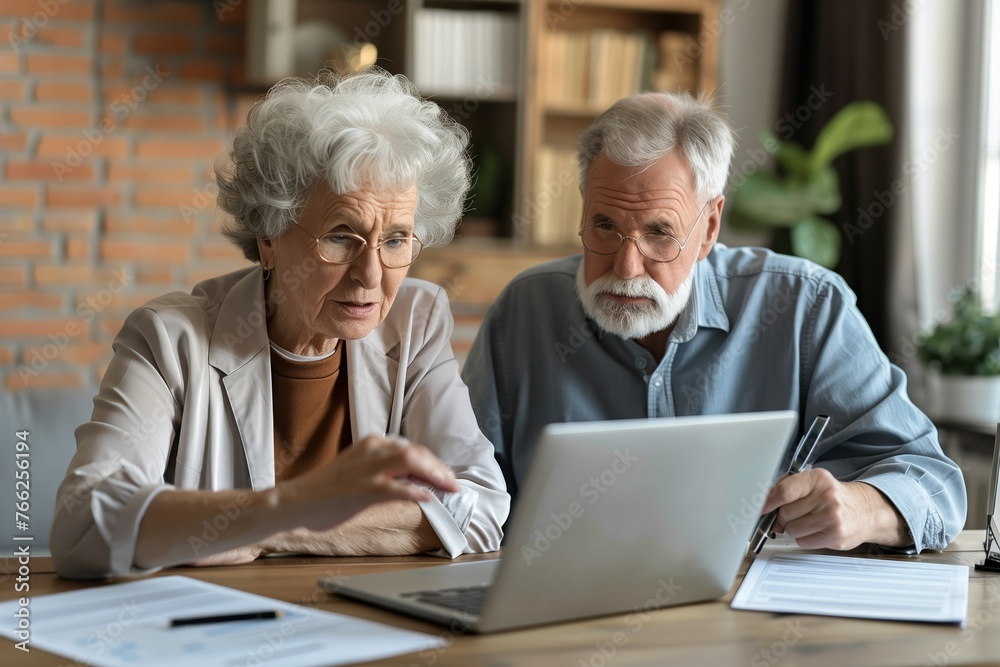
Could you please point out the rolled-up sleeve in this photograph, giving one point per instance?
(120, 459)
(883, 438)
(438, 414)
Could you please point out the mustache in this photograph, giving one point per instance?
(635, 288)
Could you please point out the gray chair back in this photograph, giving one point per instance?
(49, 416)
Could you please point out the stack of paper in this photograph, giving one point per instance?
(129, 624)
(798, 583)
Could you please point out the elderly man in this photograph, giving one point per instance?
(656, 319)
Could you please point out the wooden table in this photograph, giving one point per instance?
(700, 634)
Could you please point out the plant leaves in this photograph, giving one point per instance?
(770, 201)
(824, 187)
(795, 160)
(817, 239)
(857, 125)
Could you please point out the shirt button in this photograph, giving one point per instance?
(656, 384)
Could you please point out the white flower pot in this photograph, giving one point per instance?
(972, 398)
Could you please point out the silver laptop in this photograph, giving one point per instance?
(613, 517)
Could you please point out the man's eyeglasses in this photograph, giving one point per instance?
(394, 252)
(603, 239)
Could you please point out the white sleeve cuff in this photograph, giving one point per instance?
(449, 515)
(126, 532)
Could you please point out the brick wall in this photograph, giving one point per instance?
(112, 113)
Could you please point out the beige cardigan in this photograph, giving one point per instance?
(186, 403)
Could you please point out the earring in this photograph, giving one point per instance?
(267, 274)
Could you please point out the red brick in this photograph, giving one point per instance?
(113, 302)
(73, 223)
(112, 43)
(77, 249)
(63, 91)
(13, 276)
(40, 116)
(202, 70)
(118, 172)
(226, 45)
(208, 149)
(82, 197)
(74, 10)
(13, 223)
(165, 122)
(39, 300)
(113, 68)
(110, 326)
(163, 43)
(121, 223)
(155, 276)
(189, 96)
(11, 89)
(81, 145)
(45, 63)
(69, 38)
(27, 197)
(45, 171)
(127, 11)
(10, 62)
(6, 356)
(83, 354)
(41, 328)
(17, 381)
(194, 276)
(13, 142)
(25, 249)
(164, 196)
(221, 250)
(63, 275)
(113, 250)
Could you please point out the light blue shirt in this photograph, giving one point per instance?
(762, 331)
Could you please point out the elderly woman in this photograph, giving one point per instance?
(311, 404)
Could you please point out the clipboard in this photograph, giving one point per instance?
(991, 563)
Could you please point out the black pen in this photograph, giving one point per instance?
(803, 456)
(226, 618)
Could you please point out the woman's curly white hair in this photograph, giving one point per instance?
(367, 130)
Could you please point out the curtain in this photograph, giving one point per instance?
(841, 51)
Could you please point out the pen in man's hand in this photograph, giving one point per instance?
(226, 618)
(804, 453)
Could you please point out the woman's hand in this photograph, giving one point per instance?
(370, 471)
(236, 556)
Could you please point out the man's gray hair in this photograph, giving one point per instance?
(368, 130)
(641, 129)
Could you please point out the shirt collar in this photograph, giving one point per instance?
(704, 308)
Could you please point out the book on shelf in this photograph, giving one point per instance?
(677, 69)
(557, 206)
(465, 52)
(594, 69)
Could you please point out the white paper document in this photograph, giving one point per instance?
(129, 624)
(798, 583)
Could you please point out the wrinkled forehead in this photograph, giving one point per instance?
(665, 184)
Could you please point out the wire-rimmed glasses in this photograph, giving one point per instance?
(603, 239)
(395, 252)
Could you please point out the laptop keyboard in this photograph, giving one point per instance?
(468, 599)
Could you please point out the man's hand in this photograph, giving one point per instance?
(821, 512)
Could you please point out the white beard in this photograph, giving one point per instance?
(632, 320)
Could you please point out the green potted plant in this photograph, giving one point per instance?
(964, 355)
(809, 187)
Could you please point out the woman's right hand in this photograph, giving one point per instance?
(370, 471)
